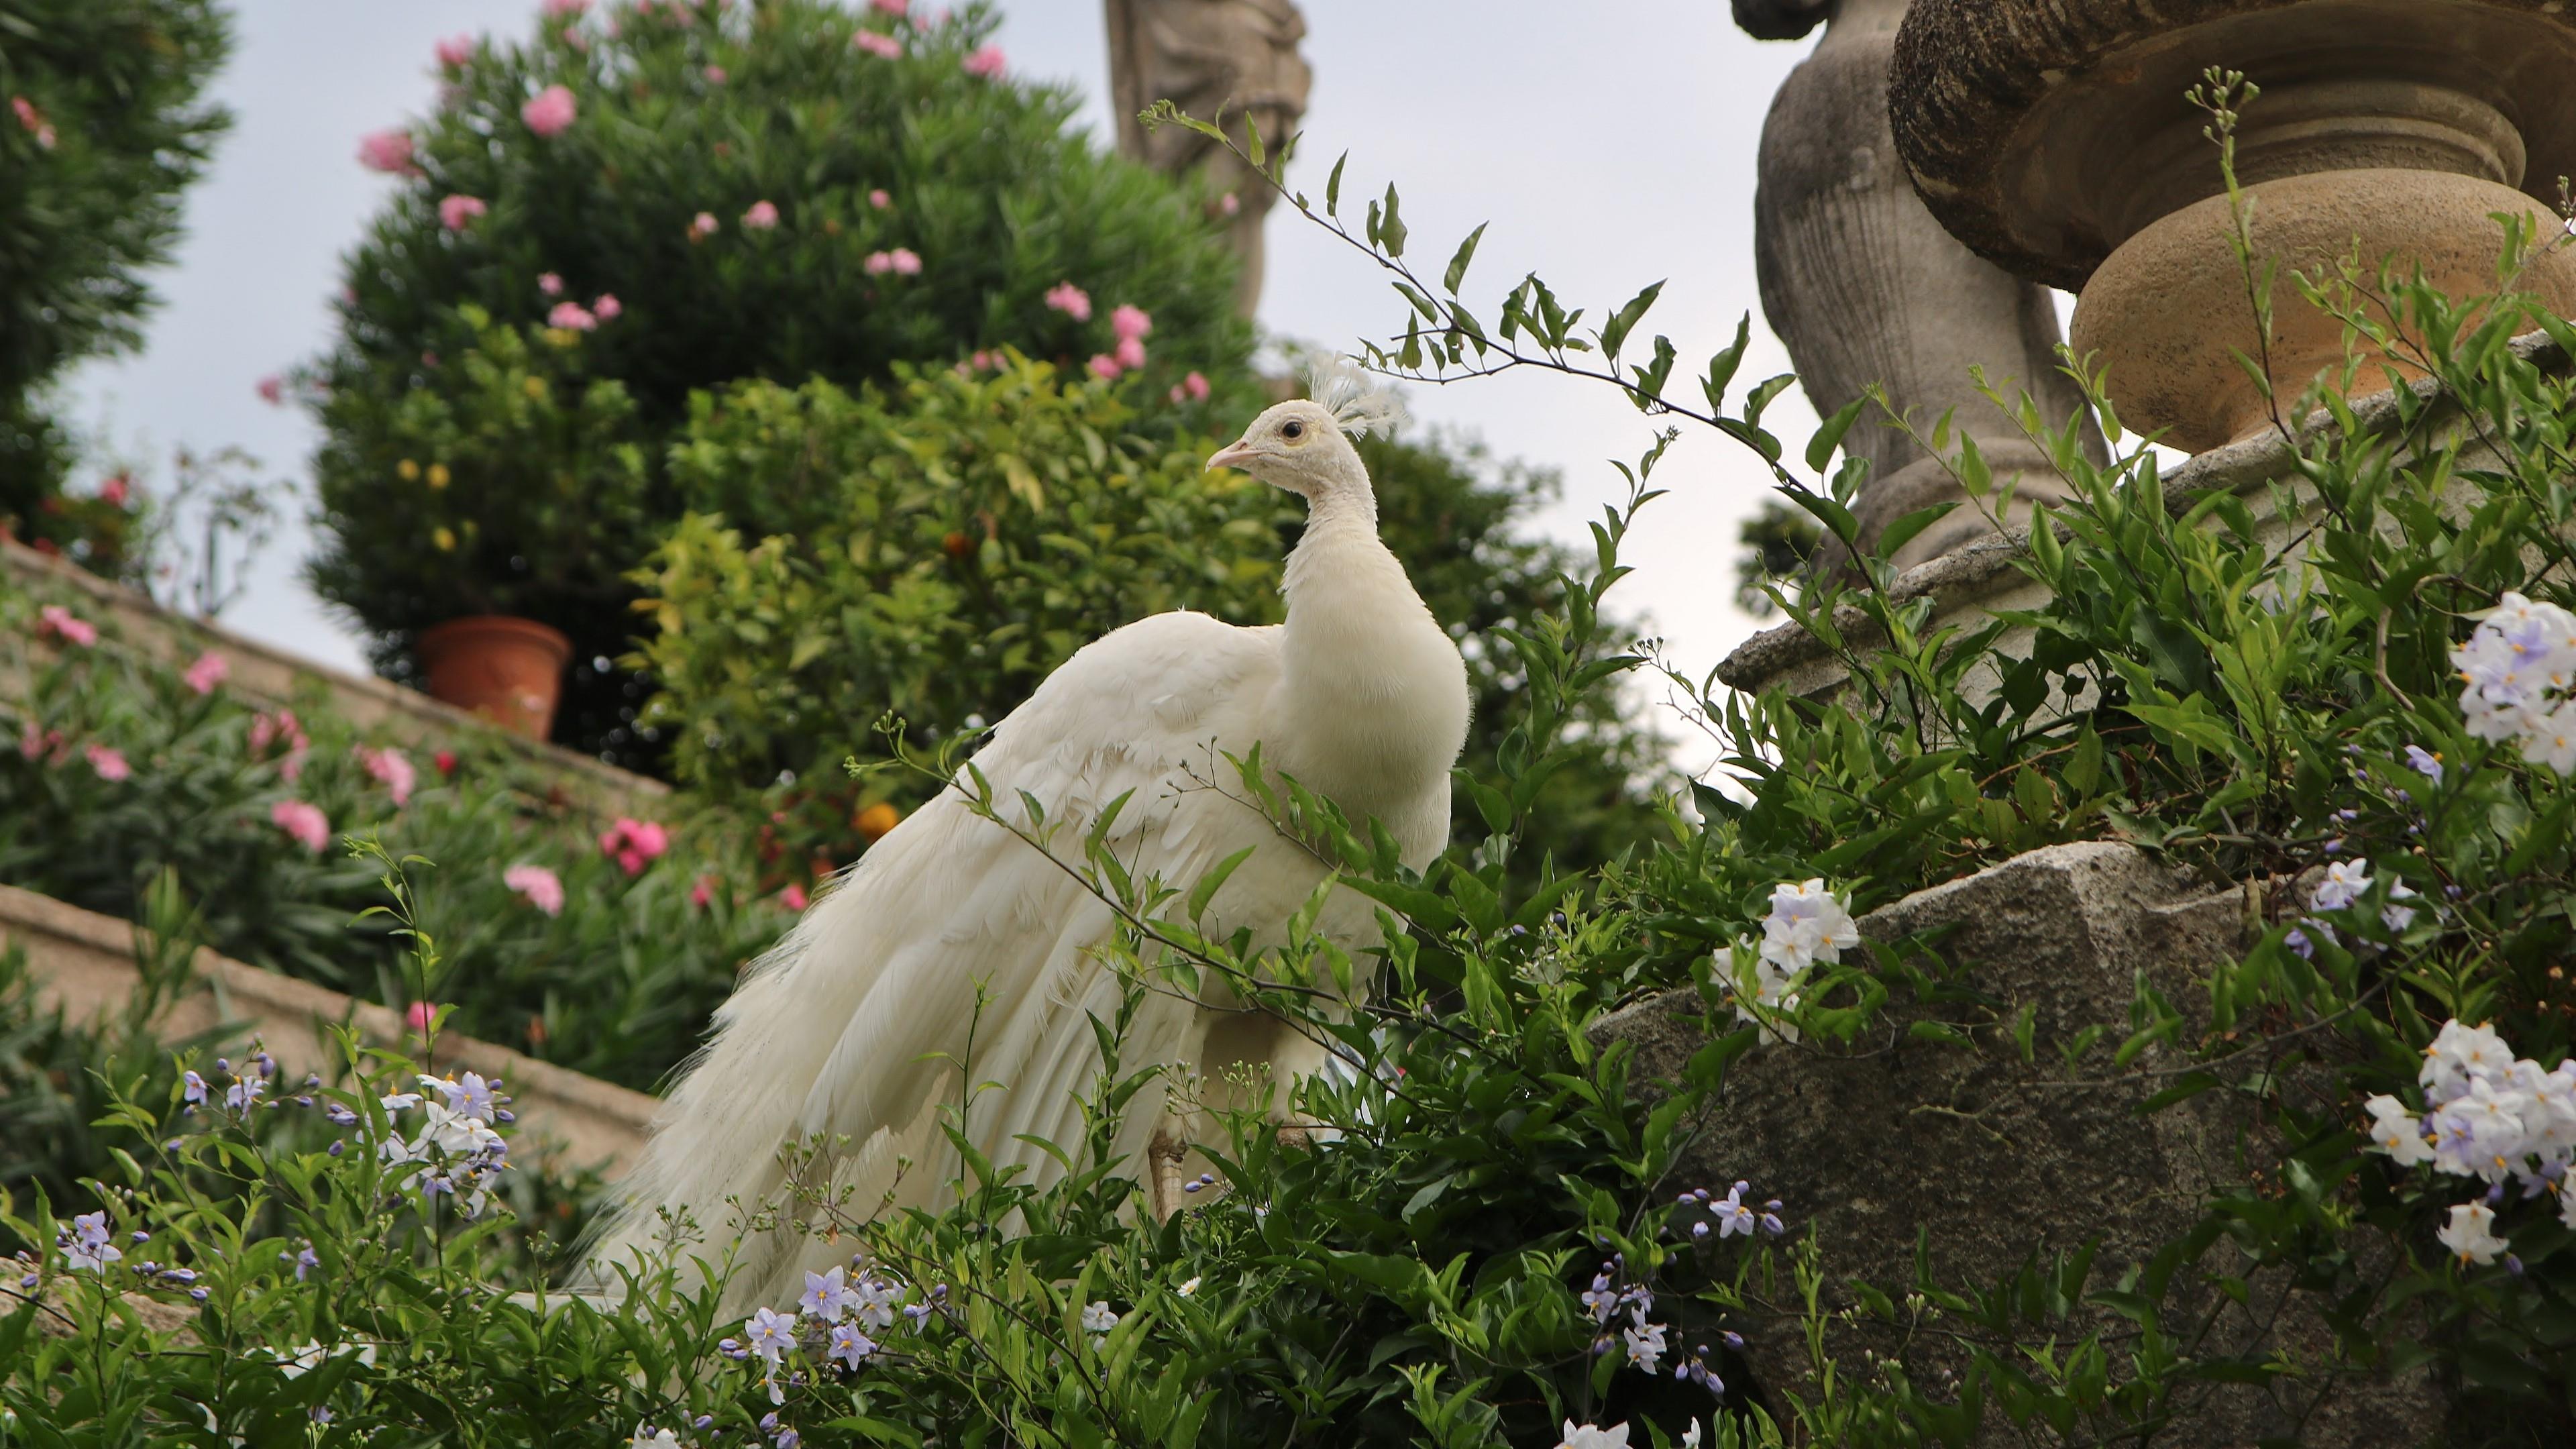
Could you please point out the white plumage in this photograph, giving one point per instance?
(850, 1030)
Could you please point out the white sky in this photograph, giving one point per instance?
(1609, 144)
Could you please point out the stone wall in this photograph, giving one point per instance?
(1992, 1159)
(85, 964)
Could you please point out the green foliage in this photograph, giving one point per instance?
(618, 985)
(108, 127)
(1776, 542)
(689, 109)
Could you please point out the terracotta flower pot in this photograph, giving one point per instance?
(510, 671)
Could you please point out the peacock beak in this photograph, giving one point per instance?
(1233, 455)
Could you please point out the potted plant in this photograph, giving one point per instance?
(494, 489)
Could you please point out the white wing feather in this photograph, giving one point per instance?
(852, 1027)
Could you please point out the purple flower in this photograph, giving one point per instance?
(773, 1335)
(849, 1345)
(196, 1092)
(2425, 762)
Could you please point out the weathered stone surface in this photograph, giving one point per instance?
(1203, 55)
(1864, 286)
(1998, 1160)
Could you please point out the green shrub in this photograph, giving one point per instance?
(689, 110)
(108, 126)
(118, 770)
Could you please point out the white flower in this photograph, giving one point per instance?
(1806, 925)
(876, 1299)
(2515, 673)
(2458, 1054)
(1585, 1436)
(1186, 1289)
(1099, 1317)
(2397, 1131)
(770, 1333)
(471, 1097)
(2346, 881)
(2468, 1234)
(1690, 1436)
(1646, 1345)
(648, 1437)
(825, 1297)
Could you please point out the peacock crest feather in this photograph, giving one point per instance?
(1360, 402)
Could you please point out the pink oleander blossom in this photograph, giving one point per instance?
(1130, 322)
(985, 62)
(702, 893)
(905, 261)
(1197, 384)
(1228, 204)
(110, 764)
(566, 9)
(571, 315)
(1129, 352)
(210, 670)
(793, 898)
(38, 745)
(550, 112)
(879, 199)
(1071, 300)
(878, 264)
(1104, 366)
(761, 217)
(455, 51)
(704, 225)
(550, 284)
(455, 211)
(419, 1015)
(715, 75)
(543, 888)
(607, 307)
(272, 390)
(895, 8)
(877, 42)
(634, 844)
(113, 491)
(303, 822)
(392, 769)
(56, 622)
(386, 151)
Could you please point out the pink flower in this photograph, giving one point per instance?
(542, 887)
(550, 284)
(878, 264)
(573, 37)
(1071, 300)
(209, 671)
(879, 199)
(890, 7)
(571, 315)
(28, 116)
(1104, 366)
(304, 822)
(266, 730)
(562, 9)
(985, 62)
(419, 1015)
(1131, 321)
(392, 769)
(455, 211)
(761, 217)
(58, 622)
(445, 760)
(703, 893)
(793, 898)
(36, 745)
(1228, 204)
(272, 390)
(607, 307)
(386, 151)
(1197, 384)
(114, 491)
(905, 261)
(703, 226)
(715, 75)
(877, 43)
(633, 844)
(455, 51)
(110, 765)
(550, 112)
(979, 360)
(1130, 352)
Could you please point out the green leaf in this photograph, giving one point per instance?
(1829, 436)
(1333, 186)
(1615, 332)
(1391, 232)
(1458, 264)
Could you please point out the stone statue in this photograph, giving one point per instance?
(1200, 55)
(1864, 286)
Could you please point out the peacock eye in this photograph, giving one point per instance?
(1292, 429)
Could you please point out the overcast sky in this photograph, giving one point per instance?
(1609, 145)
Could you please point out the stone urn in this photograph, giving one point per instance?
(508, 670)
(2054, 138)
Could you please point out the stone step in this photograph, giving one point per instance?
(85, 964)
(274, 676)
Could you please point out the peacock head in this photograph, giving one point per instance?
(1301, 445)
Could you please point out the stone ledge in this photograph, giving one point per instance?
(1787, 656)
(275, 677)
(83, 963)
